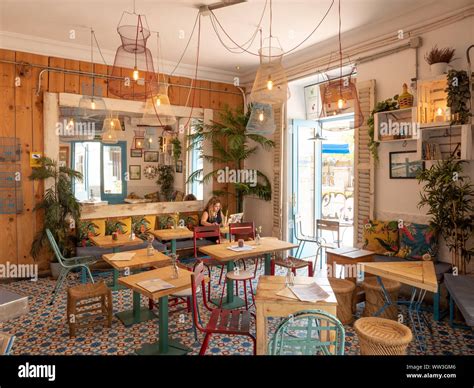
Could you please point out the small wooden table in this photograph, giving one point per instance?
(140, 260)
(269, 304)
(345, 261)
(122, 240)
(172, 235)
(220, 252)
(165, 345)
(421, 276)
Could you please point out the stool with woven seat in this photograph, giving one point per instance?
(344, 291)
(380, 336)
(374, 298)
(86, 303)
(293, 263)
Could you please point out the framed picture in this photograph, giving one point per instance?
(64, 156)
(135, 172)
(179, 166)
(136, 153)
(151, 156)
(405, 165)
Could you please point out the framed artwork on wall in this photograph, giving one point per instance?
(179, 166)
(405, 165)
(136, 153)
(151, 156)
(64, 156)
(135, 172)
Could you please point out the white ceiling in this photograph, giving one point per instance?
(51, 20)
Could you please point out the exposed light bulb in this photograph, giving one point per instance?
(71, 123)
(340, 103)
(269, 83)
(93, 104)
(261, 116)
(158, 101)
(136, 74)
(139, 144)
(112, 124)
(150, 140)
(439, 112)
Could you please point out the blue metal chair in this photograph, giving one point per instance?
(309, 332)
(69, 264)
(6, 343)
(300, 237)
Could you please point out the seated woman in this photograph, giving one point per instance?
(212, 215)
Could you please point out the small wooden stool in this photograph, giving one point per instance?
(85, 303)
(374, 298)
(344, 291)
(380, 336)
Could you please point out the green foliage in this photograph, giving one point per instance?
(449, 197)
(177, 149)
(231, 145)
(166, 182)
(59, 204)
(436, 55)
(382, 106)
(459, 96)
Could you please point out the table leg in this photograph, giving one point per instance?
(173, 246)
(261, 326)
(137, 315)
(165, 345)
(232, 301)
(268, 260)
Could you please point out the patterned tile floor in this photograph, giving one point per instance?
(43, 331)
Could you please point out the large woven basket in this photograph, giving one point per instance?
(344, 291)
(380, 336)
(374, 298)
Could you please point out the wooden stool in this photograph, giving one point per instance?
(374, 298)
(380, 336)
(344, 291)
(85, 303)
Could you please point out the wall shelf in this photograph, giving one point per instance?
(395, 125)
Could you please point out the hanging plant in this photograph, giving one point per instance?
(459, 96)
(166, 182)
(176, 148)
(382, 106)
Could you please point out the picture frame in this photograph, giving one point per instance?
(179, 166)
(151, 156)
(64, 159)
(136, 153)
(135, 172)
(404, 165)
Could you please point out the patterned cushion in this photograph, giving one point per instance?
(89, 228)
(120, 225)
(381, 237)
(416, 240)
(190, 220)
(142, 225)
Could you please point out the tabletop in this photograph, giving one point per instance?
(420, 274)
(107, 242)
(172, 234)
(267, 245)
(140, 260)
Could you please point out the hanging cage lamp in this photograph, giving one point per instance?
(151, 139)
(111, 129)
(133, 70)
(158, 110)
(261, 120)
(138, 139)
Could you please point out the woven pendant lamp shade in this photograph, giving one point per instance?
(90, 106)
(133, 60)
(158, 110)
(261, 121)
(270, 85)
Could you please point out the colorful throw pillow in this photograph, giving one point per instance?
(381, 237)
(120, 225)
(417, 240)
(191, 220)
(88, 228)
(165, 221)
(143, 225)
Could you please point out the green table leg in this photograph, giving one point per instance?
(173, 246)
(268, 262)
(165, 345)
(232, 301)
(137, 315)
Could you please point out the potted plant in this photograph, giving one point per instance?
(231, 146)
(438, 59)
(449, 197)
(459, 96)
(166, 182)
(61, 210)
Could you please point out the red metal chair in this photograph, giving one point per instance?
(242, 230)
(232, 322)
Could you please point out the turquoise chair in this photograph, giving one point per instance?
(307, 333)
(69, 264)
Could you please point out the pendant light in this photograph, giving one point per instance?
(151, 141)
(318, 136)
(158, 110)
(138, 139)
(261, 120)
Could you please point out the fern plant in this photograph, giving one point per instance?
(61, 209)
(231, 146)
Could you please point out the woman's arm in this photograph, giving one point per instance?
(204, 218)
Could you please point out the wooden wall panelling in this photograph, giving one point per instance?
(173, 91)
(71, 81)
(186, 94)
(9, 251)
(85, 82)
(204, 95)
(101, 82)
(215, 96)
(55, 79)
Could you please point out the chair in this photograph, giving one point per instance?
(309, 332)
(69, 264)
(231, 322)
(331, 226)
(6, 343)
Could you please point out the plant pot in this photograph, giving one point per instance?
(438, 68)
(55, 268)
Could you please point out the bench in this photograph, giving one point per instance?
(461, 292)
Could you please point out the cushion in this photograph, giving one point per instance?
(120, 225)
(417, 240)
(88, 228)
(142, 225)
(460, 288)
(381, 237)
(190, 220)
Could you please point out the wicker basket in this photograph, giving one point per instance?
(374, 298)
(344, 291)
(380, 336)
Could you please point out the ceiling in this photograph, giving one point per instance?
(51, 21)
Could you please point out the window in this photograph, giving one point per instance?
(195, 163)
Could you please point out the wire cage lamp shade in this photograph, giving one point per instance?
(90, 106)
(151, 139)
(270, 85)
(133, 72)
(158, 110)
(261, 120)
(111, 129)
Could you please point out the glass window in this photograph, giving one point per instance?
(196, 163)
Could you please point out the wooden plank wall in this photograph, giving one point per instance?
(21, 113)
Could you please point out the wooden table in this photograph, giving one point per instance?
(173, 235)
(347, 261)
(220, 252)
(140, 260)
(122, 240)
(165, 345)
(421, 276)
(269, 304)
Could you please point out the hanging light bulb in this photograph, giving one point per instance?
(158, 101)
(340, 103)
(136, 74)
(93, 104)
(261, 120)
(111, 129)
(158, 110)
(269, 83)
(261, 116)
(150, 136)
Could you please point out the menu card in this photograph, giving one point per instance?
(154, 285)
(123, 256)
(236, 248)
(309, 292)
